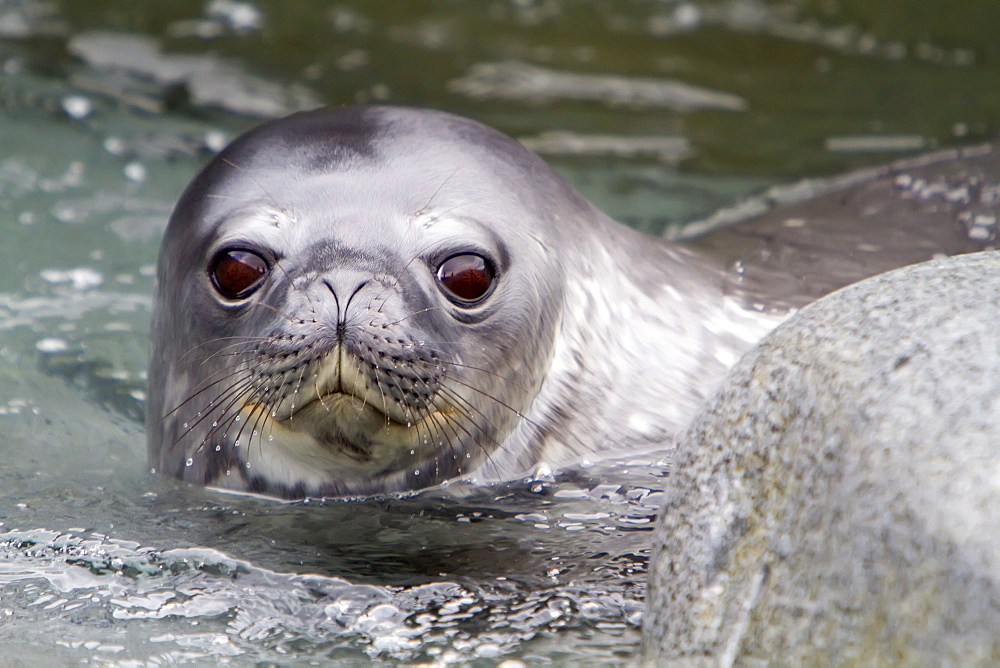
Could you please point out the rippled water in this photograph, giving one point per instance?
(660, 112)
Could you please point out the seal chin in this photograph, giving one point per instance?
(346, 424)
(337, 434)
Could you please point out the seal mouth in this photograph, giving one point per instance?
(346, 424)
(353, 406)
(348, 407)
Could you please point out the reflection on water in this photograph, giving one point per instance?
(660, 112)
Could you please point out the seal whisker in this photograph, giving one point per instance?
(437, 190)
(410, 315)
(207, 386)
(226, 395)
(385, 404)
(264, 190)
(364, 398)
(454, 208)
(266, 408)
(498, 402)
(295, 393)
(246, 423)
(254, 394)
(319, 394)
(242, 340)
(277, 311)
(455, 422)
(499, 376)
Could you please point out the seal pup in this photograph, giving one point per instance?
(356, 301)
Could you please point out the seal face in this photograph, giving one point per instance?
(338, 309)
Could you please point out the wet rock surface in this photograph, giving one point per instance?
(834, 502)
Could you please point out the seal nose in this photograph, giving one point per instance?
(343, 296)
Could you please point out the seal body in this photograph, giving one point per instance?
(350, 368)
(366, 300)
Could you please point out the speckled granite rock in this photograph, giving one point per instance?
(838, 500)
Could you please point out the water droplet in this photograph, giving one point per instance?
(237, 444)
(248, 464)
(270, 437)
(185, 425)
(189, 462)
(417, 472)
(228, 471)
(413, 452)
(468, 455)
(409, 424)
(237, 418)
(218, 448)
(215, 424)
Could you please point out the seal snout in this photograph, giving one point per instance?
(354, 364)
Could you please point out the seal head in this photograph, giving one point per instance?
(341, 310)
(363, 300)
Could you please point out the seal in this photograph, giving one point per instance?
(367, 300)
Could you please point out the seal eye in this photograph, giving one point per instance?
(237, 274)
(466, 278)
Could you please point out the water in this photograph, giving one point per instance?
(104, 563)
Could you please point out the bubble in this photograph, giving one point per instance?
(52, 345)
(77, 107)
(135, 172)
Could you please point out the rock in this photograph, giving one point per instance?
(836, 501)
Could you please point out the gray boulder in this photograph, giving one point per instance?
(838, 500)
